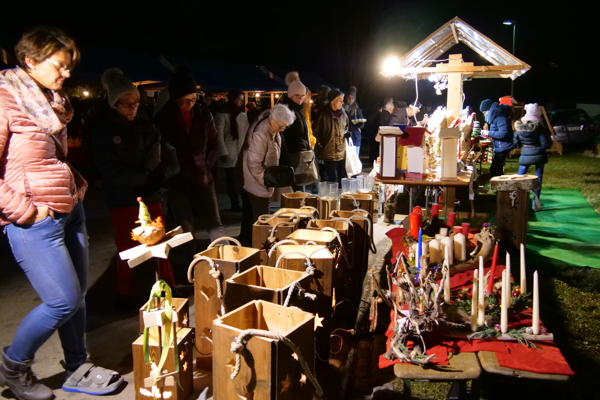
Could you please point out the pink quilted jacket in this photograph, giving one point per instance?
(30, 173)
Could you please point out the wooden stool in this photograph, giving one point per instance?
(489, 363)
(462, 367)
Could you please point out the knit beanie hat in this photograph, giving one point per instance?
(486, 105)
(292, 79)
(182, 82)
(532, 113)
(352, 91)
(116, 85)
(333, 94)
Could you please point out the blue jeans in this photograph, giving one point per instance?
(53, 253)
(539, 172)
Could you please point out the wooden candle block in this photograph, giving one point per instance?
(352, 201)
(181, 315)
(298, 199)
(269, 370)
(229, 260)
(268, 227)
(264, 283)
(169, 387)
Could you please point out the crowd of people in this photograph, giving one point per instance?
(140, 155)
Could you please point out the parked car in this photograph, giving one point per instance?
(573, 126)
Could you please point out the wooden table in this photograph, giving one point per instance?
(464, 180)
(462, 367)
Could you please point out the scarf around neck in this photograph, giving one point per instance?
(50, 113)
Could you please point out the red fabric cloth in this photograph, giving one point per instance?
(123, 220)
(186, 117)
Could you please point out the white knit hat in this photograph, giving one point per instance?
(292, 79)
(532, 113)
(116, 85)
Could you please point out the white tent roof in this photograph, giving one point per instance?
(419, 59)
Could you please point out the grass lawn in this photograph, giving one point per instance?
(570, 299)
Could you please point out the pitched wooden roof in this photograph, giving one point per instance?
(420, 59)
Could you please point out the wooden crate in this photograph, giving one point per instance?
(268, 369)
(264, 283)
(229, 259)
(365, 202)
(185, 354)
(295, 200)
(279, 227)
(180, 307)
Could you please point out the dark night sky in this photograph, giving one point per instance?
(343, 41)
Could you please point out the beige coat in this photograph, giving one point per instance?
(263, 150)
(227, 145)
(31, 175)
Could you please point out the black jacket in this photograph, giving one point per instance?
(296, 135)
(129, 157)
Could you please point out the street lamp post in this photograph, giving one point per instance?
(514, 25)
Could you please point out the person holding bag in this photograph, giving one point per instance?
(296, 137)
(261, 150)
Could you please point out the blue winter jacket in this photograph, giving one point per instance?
(499, 127)
(533, 137)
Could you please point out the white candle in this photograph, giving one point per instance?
(509, 281)
(439, 237)
(447, 281)
(474, 301)
(435, 251)
(424, 248)
(481, 295)
(449, 244)
(503, 308)
(535, 320)
(523, 273)
(444, 231)
(460, 246)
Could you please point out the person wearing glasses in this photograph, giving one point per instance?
(191, 130)
(262, 149)
(41, 213)
(133, 162)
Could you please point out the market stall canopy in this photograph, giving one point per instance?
(417, 62)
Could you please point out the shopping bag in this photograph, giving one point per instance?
(353, 164)
(305, 167)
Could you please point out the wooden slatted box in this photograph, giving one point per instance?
(296, 200)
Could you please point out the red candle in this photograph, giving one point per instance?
(493, 272)
(416, 222)
(451, 219)
(435, 210)
(465, 228)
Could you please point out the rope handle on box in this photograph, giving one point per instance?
(339, 239)
(270, 217)
(214, 272)
(355, 202)
(284, 241)
(370, 231)
(304, 215)
(310, 269)
(301, 294)
(222, 238)
(313, 209)
(238, 345)
(350, 228)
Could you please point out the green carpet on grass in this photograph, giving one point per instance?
(567, 231)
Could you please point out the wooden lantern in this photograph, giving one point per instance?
(303, 214)
(325, 205)
(389, 151)
(143, 373)
(268, 369)
(181, 313)
(449, 138)
(269, 229)
(264, 283)
(298, 199)
(353, 201)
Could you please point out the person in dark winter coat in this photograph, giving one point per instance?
(134, 162)
(355, 117)
(191, 130)
(498, 119)
(532, 136)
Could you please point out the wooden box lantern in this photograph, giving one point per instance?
(360, 201)
(303, 214)
(166, 388)
(181, 313)
(211, 268)
(298, 199)
(265, 283)
(414, 140)
(390, 163)
(341, 226)
(269, 369)
(449, 138)
(325, 205)
(269, 229)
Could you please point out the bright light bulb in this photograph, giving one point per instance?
(86, 93)
(276, 96)
(311, 102)
(390, 65)
(257, 95)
